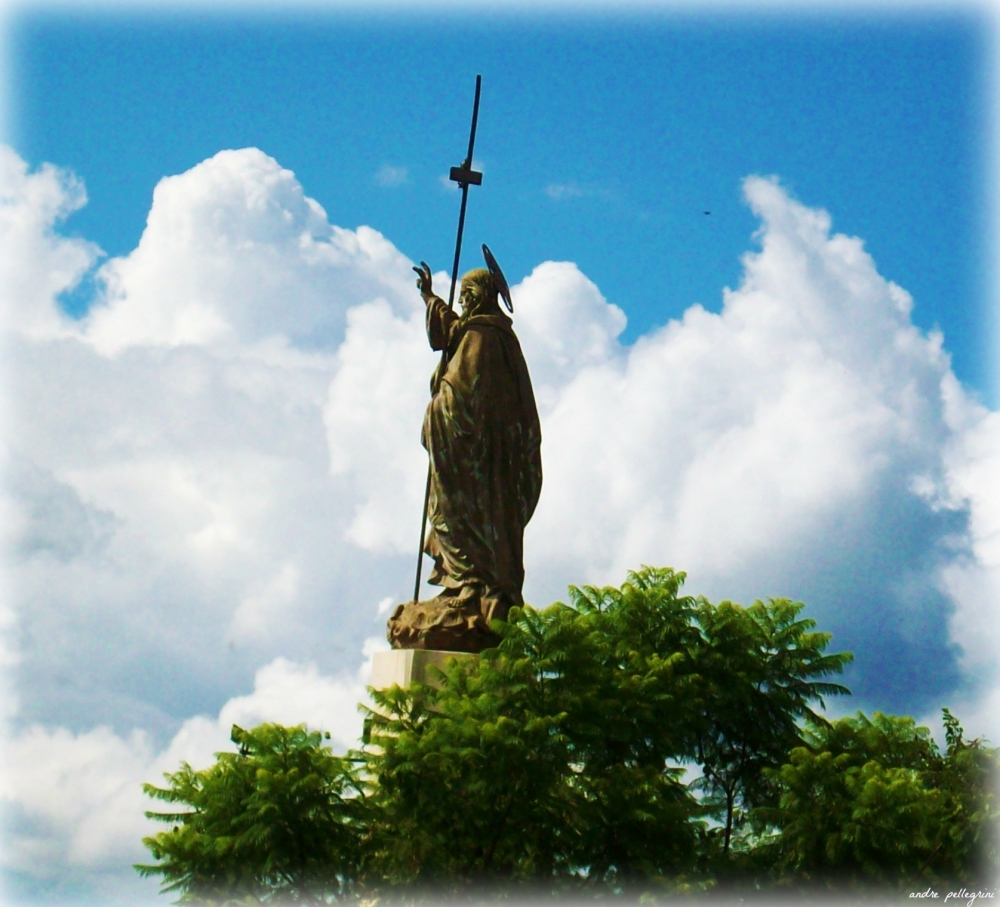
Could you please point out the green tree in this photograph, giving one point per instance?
(630, 706)
(561, 737)
(759, 670)
(969, 774)
(873, 802)
(570, 735)
(281, 818)
(553, 764)
(465, 785)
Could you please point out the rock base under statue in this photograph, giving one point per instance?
(401, 667)
(450, 624)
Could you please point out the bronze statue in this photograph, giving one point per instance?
(483, 438)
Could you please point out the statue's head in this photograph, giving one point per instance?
(479, 293)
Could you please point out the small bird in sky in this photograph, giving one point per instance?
(706, 212)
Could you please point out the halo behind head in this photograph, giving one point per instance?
(499, 281)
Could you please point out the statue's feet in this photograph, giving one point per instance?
(453, 622)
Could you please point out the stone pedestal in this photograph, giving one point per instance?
(405, 666)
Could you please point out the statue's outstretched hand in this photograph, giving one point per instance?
(424, 279)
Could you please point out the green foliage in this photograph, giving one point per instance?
(969, 776)
(571, 736)
(278, 819)
(554, 763)
(873, 802)
(464, 783)
(758, 670)
(561, 737)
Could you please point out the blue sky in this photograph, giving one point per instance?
(212, 463)
(634, 124)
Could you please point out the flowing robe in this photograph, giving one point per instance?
(483, 437)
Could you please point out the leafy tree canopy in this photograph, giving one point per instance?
(278, 819)
(874, 802)
(562, 760)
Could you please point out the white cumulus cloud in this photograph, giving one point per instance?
(213, 480)
(80, 795)
(37, 264)
(234, 250)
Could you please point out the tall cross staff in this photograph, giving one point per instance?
(465, 176)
